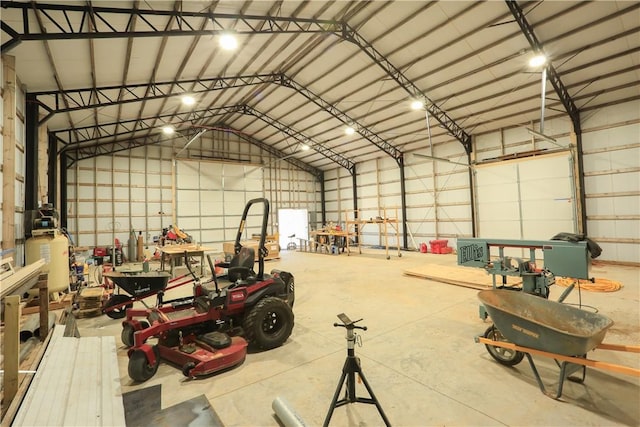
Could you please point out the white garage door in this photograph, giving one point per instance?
(529, 199)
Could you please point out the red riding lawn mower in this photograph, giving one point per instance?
(210, 331)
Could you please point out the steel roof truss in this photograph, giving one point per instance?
(553, 76)
(303, 139)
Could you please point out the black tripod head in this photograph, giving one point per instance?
(348, 323)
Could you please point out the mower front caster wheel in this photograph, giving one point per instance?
(140, 369)
(128, 332)
(503, 355)
(186, 369)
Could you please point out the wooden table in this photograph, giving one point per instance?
(173, 252)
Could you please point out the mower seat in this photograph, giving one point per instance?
(241, 265)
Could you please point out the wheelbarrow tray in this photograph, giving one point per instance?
(531, 321)
(138, 284)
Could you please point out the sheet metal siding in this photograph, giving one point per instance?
(611, 141)
(110, 195)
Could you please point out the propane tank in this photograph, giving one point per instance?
(53, 247)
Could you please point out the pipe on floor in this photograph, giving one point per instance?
(31, 326)
(286, 414)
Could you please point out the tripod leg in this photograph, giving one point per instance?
(374, 399)
(335, 397)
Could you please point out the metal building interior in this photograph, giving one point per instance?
(394, 141)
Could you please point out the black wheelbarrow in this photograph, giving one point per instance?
(526, 325)
(137, 287)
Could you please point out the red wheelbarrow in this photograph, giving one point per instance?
(526, 325)
(139, 286)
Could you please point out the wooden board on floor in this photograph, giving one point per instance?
(60, 393)
(475, 278)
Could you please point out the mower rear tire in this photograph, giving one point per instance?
(269, 323)
(503, 355)
(140, 369)
(289, 283)
(119, 312)
(128, 332)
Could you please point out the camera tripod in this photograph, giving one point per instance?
(350, 368)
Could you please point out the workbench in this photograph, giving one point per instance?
(324, 239)
(385, 224)
(171, 253)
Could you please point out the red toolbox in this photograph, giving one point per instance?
(440, 247)
(99, 252)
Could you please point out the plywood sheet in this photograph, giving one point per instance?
(475, 278)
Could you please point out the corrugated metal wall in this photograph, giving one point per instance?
(144, 190)
(437, 196)
(17, 147)
(109, 195)
(611, 141)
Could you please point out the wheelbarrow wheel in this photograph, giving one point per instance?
(128, 331)
(503, 355)
(140, 369)
(116, 306)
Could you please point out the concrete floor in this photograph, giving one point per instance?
(418, 354)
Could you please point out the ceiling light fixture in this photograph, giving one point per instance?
(304, 147)
(417, 105)
(228, 41)
(188, 100)
(349, 130)
(168, 130)
(538, 60)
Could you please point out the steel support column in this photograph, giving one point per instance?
(52, 173)
(323, 202)
(64, 172)
(472, 198)
(31, 154)
(580, 160)
(355, 203)
(403, 204)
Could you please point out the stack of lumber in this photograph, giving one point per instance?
(21, 280)
(89, 302)
(474, 278)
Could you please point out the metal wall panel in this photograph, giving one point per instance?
(110, 195)
(611, 141)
